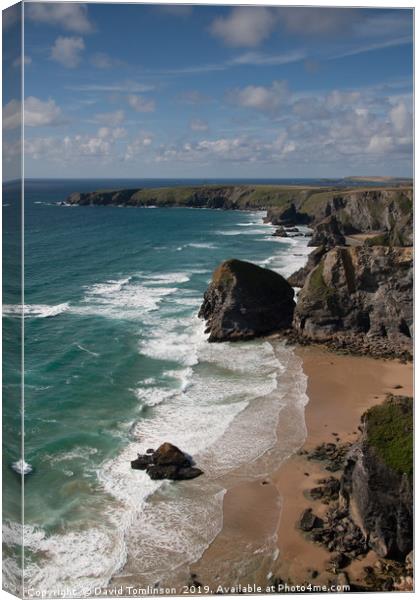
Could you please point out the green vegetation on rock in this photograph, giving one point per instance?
(389, 428)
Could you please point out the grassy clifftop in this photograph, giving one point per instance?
(389, 429)
(308, 199)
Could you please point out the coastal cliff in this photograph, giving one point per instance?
(361, 297)
(376, 485)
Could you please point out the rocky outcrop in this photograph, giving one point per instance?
(360, 296)
(328, 233)
(376, 484)
(280, 232)
(167, 462)
(298, 278)
(288, 215)
(244, 301)
(389, 211)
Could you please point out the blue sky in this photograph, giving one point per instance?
(197, 91)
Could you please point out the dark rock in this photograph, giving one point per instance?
(150, 451)
(329, 489)
(377, 478)
(245, 301)
(328, 233)
(167, 462)
(141, 462)
(287, 216)
(173, 472)
(308, 521)
(189, 473)
(168, 454)
(163, 472)
(338, 561)
(280, 232)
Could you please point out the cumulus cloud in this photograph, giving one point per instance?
(97, 146)
(67, 51)
(198, 125)
(68, 15)
(338, 98)
(401, 119)
(111, 119)
(138, 145)
(258, 97)
(140, 104)
(12, 115)
(38, 113)
(244, 26)
(116, 133)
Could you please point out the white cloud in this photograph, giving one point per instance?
(97, 146)
(68, 15)
(401, 119)
(67, 51)
(123, 87)
(257, 58)
(110, 119)
(140, 104)
(258, 97)
(380, 144)
(337, 98)
(38, 113)
(12, 114)
(198, 125)
(116, 133)
(138, 145)
(244, 26)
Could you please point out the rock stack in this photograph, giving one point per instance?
(167, 462)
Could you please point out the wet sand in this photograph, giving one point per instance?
(260, 516)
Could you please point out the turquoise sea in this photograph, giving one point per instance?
(116, 361)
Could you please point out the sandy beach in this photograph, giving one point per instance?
(262, 514)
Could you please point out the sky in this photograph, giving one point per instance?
(119, 90)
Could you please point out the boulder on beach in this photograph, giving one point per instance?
(245, 301)
(167, 462)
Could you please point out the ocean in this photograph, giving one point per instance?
(116, 362)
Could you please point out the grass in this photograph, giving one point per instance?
(390, 432)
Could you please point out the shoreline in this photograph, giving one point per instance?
(340, 389)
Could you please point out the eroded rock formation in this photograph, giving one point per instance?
(244, 301)
(362, 293)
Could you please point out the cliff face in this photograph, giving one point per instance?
(244, 301)
(352, 211)
(377, 480)
(363, 293)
